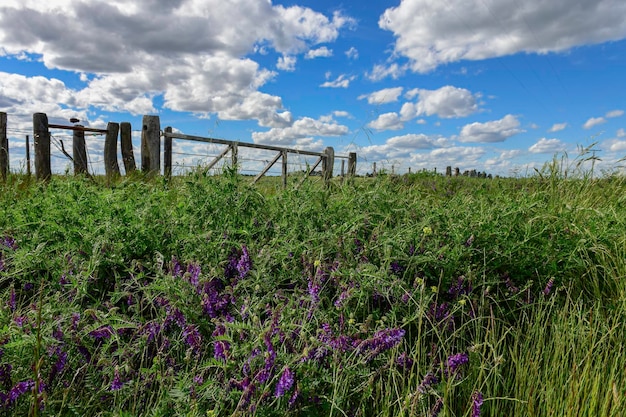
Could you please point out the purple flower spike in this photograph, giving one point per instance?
(456, 361)
(434, 412)
(477, 402)
(548, 288)
(284, 383)
(19, 389)
(220, 351)
(244, 264)
(103, 332)
(117, 383)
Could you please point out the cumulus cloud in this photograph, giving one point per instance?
(352, 53)
(557, 127)
(621, 133)
(446, 102)
(491, 132)
(343, 81)
(193, 52)
(433, 33)
(287, 63)
(386, 95)
(300, 129)
(547, 146)
(322, 52)
(594, 121)
(386, 121)
(615, 145)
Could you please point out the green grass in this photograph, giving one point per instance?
(363, 290)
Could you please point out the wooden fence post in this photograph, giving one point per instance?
(351, 164)
(111, 167)
(374, 169)
(167, 154)
(4, 147)
(126, 140)
(328, 164)
(234, 155)
(42, 146)
(448, 171)
(79, 152)
(27, 156)
(150, 145)
(284, 169)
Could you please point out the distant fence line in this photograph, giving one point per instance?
(151, 135)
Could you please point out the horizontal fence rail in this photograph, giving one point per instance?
(151, 148)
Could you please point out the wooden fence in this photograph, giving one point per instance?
(151, 135)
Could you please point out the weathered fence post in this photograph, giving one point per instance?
(284, 169)
(167, 154)
(409, 170)
(79, 152)
(233, 156)
(351, 164)
(42, 146)
(328, 164)
(126, 140)
(457, 171)
(4, 147)
(448, 171)
(150, 145)
(27, 156)
(111, 167)
(374, 169)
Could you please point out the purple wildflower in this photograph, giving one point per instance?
(293, 398)
(440, 315)
(192, 337)
(152, 329)
(28, 286)
(198, 379)
(548, 288)
(455, 361)
(75, 320)
(59, 365)
(103, 332)
(284, 383)
(404, 361)
(8, 242)
(244, 264)
(382, 340)
(20, 321)
(220, 350)
(193, 274)
(64, 280)
(396, 268)
(176, 268)
(477, 402)
(460, 287)
(19, 389)
(117, 383)
(270, 358)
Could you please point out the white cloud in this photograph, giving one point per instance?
(557, 127)
(379, 72)
(300, 129)
(352, 53)
(594, 121)
(446, 102)
(386, 95)
(614, 113)
(343, 81)
(491, 132)
(287, 63)
(193, 53)
(387, 121)
(322, 52)
(614, 145)
(433, 33)
(621, 133)
(547, 146)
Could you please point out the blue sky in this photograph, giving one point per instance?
(495, 85)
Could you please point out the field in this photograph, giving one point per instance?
(415, 295)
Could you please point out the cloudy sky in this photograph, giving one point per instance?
(494, 85)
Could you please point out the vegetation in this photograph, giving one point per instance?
(417, 295)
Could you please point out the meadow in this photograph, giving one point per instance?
(414, 295)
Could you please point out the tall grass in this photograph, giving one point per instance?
(416, 295)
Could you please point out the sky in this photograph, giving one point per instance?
(500, 86)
